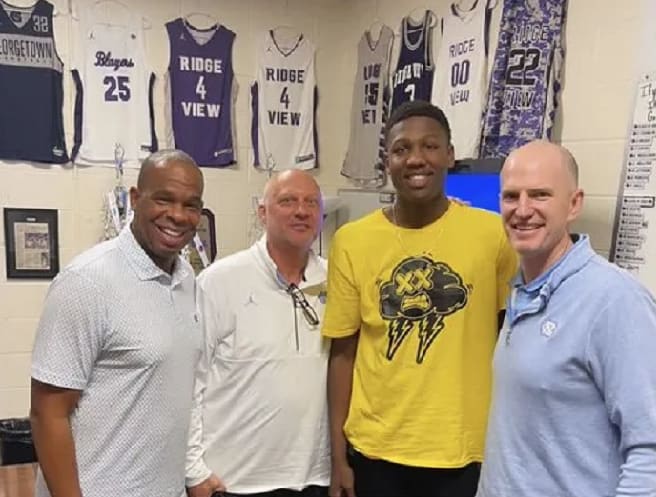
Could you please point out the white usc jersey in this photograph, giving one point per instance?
(113, 110)
(460, 77)
(283, 101)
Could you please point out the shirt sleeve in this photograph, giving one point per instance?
(70, 334)
(621, 357)
(507, 267)
(196, 471)
(342, 316)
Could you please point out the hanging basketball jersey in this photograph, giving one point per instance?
(413, 77)
(364, 157)
(113, 105)
(283, 104)
(525, 77)
(460, 82)
(31, 93)
(199, 88)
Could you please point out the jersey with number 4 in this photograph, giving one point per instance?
(460, 75)
(525, 77)
(200, 91)
(113, 105)
(283, 100)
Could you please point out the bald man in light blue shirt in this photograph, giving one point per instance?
(574, 400)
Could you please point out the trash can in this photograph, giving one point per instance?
(16, 446)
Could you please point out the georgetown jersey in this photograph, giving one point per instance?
(364, 157)
(526, 75)
(200, 85)
(460, 77)
(31, 94)
(413, 76)
(113, 105)
(283, 101)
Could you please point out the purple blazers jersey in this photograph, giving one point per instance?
(413, 77)
(31, 122)
(525, 77)
(200, 84)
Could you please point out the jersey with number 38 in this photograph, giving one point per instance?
(283, 100)
(113, 102)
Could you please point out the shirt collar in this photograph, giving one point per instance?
(577, 255)
(533, 297)
(311, 276)
(144, 267)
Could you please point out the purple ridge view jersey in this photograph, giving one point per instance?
(31, 93)
(525, 77)
(413, 77)
(200, 78)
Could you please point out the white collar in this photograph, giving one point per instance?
(314, 273)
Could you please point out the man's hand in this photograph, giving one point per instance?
(341, 481)
(206, 488)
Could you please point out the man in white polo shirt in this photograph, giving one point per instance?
(116, 349)
(260, 423)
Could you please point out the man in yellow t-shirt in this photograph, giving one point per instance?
(416, 294)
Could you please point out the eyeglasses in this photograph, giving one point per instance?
(299, 299)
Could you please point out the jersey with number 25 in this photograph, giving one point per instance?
(113, 105)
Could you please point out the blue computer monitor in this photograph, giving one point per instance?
(479, 189)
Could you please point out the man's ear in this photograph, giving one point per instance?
(135, 194)
(452, 156)
(576, 205)
(261, 212)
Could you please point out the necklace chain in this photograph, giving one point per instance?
(397, 231)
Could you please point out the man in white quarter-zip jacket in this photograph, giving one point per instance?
(259, 424)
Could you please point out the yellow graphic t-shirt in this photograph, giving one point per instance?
(425, 302)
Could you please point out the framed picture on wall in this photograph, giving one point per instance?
(31, 243)
(207, 233)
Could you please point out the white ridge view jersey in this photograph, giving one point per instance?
(460, 83)
(113, 105)
(283, 104)
(364, 157)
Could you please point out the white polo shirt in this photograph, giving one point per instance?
(126, 334)
(260, 420)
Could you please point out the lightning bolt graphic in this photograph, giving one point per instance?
(397, 330)
(429, 327)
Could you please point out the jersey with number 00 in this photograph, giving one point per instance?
(31, 94)
(413, 77)
(200, 85)
(113, 106)
(460, 75)
(283, 100)
(364, 157)
(525, 77)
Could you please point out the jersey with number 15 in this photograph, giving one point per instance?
(113, 105)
